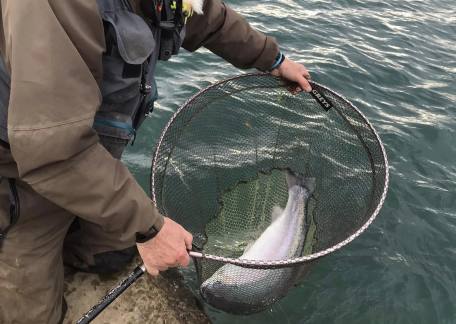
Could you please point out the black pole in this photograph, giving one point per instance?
(112, 295)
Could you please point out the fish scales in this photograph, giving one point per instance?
(240, 290)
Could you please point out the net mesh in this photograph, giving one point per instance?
(220, 170)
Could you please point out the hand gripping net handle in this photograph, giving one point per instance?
(276, 264)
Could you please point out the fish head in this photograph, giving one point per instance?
(303, 183)
(237, 290)
(218, 283)
(214, 290)
(220, 292)
(227, 297)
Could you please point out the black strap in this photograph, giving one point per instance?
(5, 145)
(145, 89)
(151, 10)
(14, 209)
(14, 202)
(144, 237)
(179, 15)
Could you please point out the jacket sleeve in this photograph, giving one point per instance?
(53, 50)
(227, 34)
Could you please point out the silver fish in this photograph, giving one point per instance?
(241, 290)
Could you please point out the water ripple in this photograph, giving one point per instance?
(396, 61)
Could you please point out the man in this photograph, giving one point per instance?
(77, 82)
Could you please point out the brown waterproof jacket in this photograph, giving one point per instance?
(53, 50)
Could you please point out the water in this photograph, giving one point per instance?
(396, 61)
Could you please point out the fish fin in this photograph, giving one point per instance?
(294, 179)
(276, 212)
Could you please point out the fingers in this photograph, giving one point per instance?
(303, 79)
(162, 268)
(188, 239)
(183, 259)
(304, 83)
(154, 269)
(305, 73)
(295, 72)
(151, 270)
(168, 249)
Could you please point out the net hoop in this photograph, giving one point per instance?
(274, 264)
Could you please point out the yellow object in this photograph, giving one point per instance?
(187, 9)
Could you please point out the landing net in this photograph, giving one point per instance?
(220, 170)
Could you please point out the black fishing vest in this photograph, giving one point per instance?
(133, 46)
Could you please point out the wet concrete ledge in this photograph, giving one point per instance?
(150, 300)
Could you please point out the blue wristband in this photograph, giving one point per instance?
(278, 60)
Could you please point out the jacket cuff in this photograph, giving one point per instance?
(159, 220)
(267, 57)
(152, 231)
(146, 236)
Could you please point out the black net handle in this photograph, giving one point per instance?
(112, 295)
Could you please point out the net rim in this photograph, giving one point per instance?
(269, 264)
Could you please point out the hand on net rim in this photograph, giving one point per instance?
(295, 72)
(168, 249)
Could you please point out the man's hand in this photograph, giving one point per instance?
(296, 72)
(167, 249)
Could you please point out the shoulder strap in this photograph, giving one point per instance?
(4, 101)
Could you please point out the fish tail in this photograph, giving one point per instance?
(294, 179)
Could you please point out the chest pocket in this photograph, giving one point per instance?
(127, 96)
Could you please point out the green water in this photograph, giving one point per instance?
(396, 61)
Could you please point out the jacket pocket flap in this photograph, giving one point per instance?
(135, 40)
